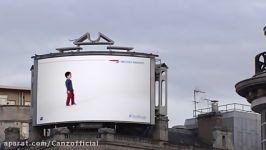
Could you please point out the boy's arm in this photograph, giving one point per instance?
(67, 86)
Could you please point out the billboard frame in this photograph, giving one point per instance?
(34, 80)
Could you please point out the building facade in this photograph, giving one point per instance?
(15, 110)
(243, 123)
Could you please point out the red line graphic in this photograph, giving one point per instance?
(114, 60)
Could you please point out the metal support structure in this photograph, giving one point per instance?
(161, 78)
(64, 49)
(119, 48)
(86, 40)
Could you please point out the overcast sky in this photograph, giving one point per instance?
(208, 44)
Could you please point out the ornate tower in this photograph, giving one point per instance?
(254, 90)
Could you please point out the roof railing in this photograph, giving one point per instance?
(226, 108)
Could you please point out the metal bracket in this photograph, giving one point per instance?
(119, 48)
(63, 49)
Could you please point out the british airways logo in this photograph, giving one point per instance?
(114, 60)
(126, 61)
(137, 116)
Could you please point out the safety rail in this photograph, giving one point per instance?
(225, 108)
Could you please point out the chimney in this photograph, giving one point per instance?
(215, 106)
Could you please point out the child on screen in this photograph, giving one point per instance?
(69, 87)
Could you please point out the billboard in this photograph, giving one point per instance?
(101, 88)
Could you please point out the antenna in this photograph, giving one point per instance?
(208, 100)
(196, 102)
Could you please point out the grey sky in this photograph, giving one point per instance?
(209, 45)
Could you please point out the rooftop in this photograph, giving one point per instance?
(14, 87)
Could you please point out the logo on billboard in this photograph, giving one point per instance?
(126, 61)
(114, 60)
(137, 116)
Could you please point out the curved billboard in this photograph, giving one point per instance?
(98, 88)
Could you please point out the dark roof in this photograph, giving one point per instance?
(179, 136)
(183, 136)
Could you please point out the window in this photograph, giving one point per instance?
(163, 93)
(157, 93)
(24, 131)
(11, 102)
(3, 99)
(223, 141)
(27, 103)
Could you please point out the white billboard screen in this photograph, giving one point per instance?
(105, 88)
